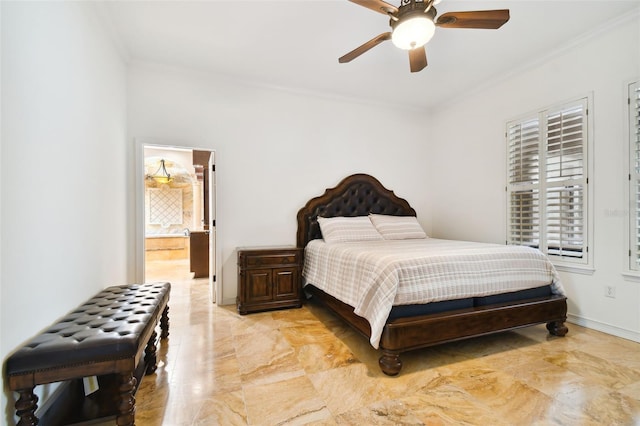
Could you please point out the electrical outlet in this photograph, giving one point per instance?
(610, 291)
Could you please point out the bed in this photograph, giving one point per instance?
(417, 325)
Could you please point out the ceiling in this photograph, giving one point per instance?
(295, 44)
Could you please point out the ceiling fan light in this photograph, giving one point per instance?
(413, 32)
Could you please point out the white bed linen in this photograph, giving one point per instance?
(372, 276)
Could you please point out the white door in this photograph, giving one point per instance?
(214, 277)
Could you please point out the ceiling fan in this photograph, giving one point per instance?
(413, 24)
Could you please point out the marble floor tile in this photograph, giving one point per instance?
(225, 408)
(604, 372)
(290, 401)
(347, 388)
(518, 403)
(266, 357)
(305, 366)
(324, 356)
(450, 405)
(615, 408)
(390, 412)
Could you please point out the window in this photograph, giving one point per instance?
(547, 181)
(634, 176)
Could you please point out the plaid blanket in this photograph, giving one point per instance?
(372, 276)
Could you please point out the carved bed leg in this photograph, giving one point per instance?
(390, 362)
(26, 407)
(557, 328)
(164, 323)
(150, 354)
(127, 403)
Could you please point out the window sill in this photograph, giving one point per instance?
(575, 269)
(631, 276)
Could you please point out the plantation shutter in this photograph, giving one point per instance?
(524, 175)
(634, 174)
(547, 181)
(566, 181)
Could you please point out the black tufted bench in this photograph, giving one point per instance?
(108, 334)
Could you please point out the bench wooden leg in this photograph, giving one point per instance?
(164, 323)
(26, 407)
(150, 354)
(127, 403)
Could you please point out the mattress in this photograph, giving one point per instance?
(374, 276)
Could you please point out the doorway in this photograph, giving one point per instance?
(176, 204)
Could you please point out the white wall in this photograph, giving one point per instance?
(68, 221)
(602, 65)
(275, 150)
(63, 175)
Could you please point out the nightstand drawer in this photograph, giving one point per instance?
(257, 260)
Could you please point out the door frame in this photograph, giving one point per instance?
(140, 143)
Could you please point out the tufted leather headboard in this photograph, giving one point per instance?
(355, 195)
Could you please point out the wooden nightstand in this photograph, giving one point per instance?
(269, 278)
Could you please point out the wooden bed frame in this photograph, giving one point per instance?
(361, 194)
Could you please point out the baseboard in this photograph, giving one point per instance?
(228, 302)
(604, 327)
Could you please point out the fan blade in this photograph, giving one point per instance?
(368, 45)
(377, 6)
(487, 19)
(417, 59)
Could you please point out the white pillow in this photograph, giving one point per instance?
(344, 229)
(397, 227)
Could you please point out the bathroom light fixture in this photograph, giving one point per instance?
(161, 175)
